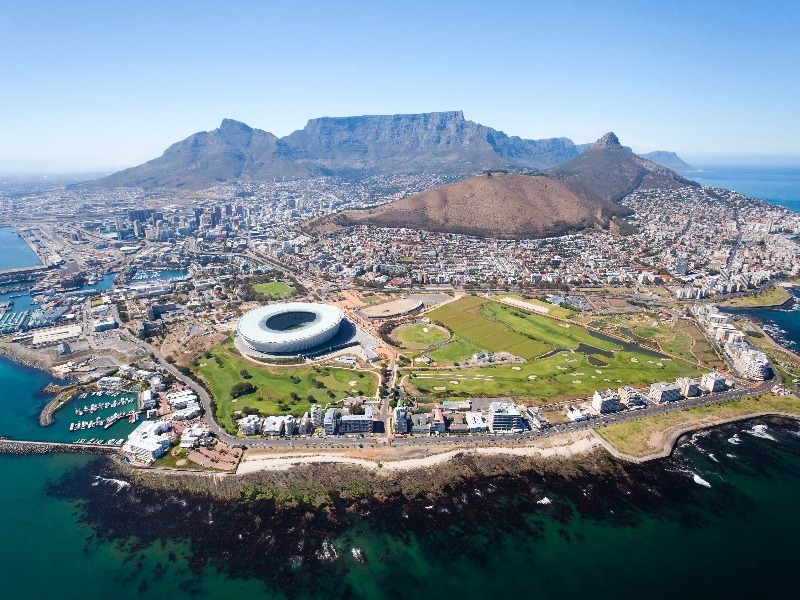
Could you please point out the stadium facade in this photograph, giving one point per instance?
(290, 328)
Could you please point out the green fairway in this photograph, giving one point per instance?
(583, 361)
(420, 336)
(475, 327)
(562, 375)
(454, 352)
(274, 289)
(275, 385)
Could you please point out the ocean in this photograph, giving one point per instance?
(717, 520)
(773, 184)
(14, 251)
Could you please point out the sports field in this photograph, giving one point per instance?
(275, 385)
(274, 289)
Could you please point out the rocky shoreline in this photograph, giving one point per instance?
(290, 528)
(25, 357)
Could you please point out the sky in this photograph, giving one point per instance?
(110, 84)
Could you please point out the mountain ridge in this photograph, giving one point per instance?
(426, 143)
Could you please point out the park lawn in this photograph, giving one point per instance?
(415, 335)
(647, 436)
(549, 331)
(275, 386)
(370, 299)
(555, 376)
(274, 289)
(770, 297)
(171, 458)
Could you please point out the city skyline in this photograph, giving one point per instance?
(97, 87)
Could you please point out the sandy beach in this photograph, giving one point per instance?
(564, 445)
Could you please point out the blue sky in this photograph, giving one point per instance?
(111, 84)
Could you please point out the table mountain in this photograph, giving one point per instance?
(441, 143)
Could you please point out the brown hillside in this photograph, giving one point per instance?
(499, 205)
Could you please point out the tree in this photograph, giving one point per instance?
(245, 374)
(357, 409)
(242, 388)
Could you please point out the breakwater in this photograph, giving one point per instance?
(31, 447)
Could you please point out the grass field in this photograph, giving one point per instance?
(275, 385)
(647, 436)
(582, 362)
(564, 375)
(553, 309)
(420, 336)
(771, 296)
(679, 338)
(274, 289)
(475, 327)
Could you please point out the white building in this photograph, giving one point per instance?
(316, 415)
(606, 402)
(191, 436)
(712, 382)
(689, 387)
(749, 363)
(147, 400)
(357, 423)
(400, 420)
(665, 392)
(475, 422)
(574, 414)
(249, 425)
(273, 426)
(504, 416)
(147, 442)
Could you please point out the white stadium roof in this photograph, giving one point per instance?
(289, 327)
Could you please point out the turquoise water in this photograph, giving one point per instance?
(14, 251)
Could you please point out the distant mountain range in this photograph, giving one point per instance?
(437, 143)
(579, 194)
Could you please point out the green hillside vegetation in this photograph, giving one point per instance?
(279, 390)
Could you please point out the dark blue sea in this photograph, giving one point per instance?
(779, 185)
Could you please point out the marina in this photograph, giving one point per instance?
(104, 411)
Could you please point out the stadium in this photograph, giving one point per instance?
(290, 328)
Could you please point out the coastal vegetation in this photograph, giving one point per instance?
(649, 435)
(279, 390)
(772, 296)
